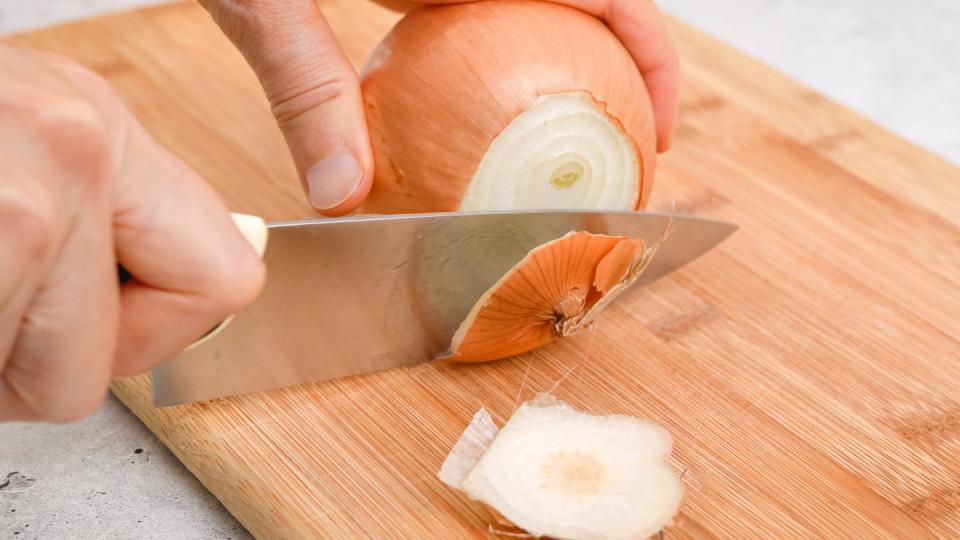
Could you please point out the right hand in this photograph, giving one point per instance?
(83, 186)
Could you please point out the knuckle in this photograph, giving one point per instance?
(79, 144)
(71, 134)
(315, 92)
(75, 123)
(30, 222)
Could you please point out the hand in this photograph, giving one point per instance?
(315, 93)
(82, 187)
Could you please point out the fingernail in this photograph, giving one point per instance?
(333, 180)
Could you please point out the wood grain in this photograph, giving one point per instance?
(809, 368)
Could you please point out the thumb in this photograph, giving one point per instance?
(314, 93)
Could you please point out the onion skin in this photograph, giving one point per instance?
(448, 79)
(545, 296)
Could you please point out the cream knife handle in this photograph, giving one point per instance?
(254, 230)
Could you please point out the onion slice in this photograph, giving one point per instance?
(555, 291)
(554, 471)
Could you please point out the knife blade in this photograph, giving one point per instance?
(346, 296)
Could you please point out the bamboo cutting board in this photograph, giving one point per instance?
(809, 368)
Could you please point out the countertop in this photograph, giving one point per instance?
(108, 477)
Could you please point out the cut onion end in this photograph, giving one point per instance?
(554, 471)
(503, 106)
(562, 152)
(555, 291)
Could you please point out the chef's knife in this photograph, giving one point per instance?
(360, 294)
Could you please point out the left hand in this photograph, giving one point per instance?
(314, 91)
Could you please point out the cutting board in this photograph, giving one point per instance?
(809, 368)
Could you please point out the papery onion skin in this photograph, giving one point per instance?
(447, 80)
(545, 296)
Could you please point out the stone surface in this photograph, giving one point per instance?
(890, 60)
(104, 477)
(25, 15)
(894, 62)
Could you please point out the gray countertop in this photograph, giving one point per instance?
(108, 477)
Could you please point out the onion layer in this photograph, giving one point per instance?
(563, 152)
(554, 471)
(506, 105)
(556, 290)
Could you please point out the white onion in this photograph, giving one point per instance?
(563, 152)
(554, 471)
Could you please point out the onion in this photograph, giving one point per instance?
(554, 471)
(555, 291)
(506, 105)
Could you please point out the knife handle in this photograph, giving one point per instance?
(254, 229)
